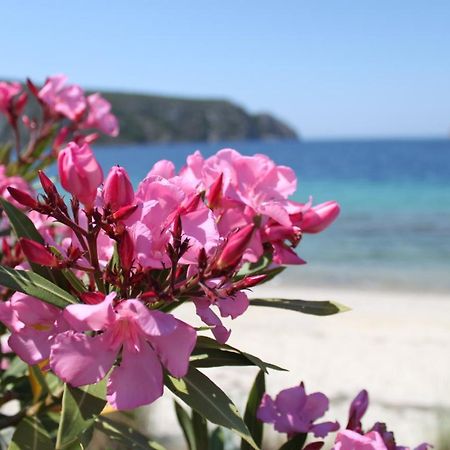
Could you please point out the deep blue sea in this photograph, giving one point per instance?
(394, 228)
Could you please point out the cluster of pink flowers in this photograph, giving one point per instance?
(67, 114)
(294, 412)
(179, 237)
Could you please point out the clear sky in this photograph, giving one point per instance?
(336, 68)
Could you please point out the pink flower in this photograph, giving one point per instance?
(7, 92)
(100, 117)
(14, 182)
(160, 201)
(61, 99)
(351, 440)
(118, 190)
(79, 172)
(33, 325)
(293, 412)
(145, 339)
(230, 306)
(319, 217)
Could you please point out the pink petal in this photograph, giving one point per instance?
(163, 168)
(267, 411)
(316, 405)
(91, 317)
(175, 349)
(137, 381)
(152, 323)
(320, 430)
(233, 306)
(210, 318)
(8, 316)
(31, 345)
(291, 400)
(79, 359)
(32, 311)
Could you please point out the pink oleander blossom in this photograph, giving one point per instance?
(33, 325)
(146, 339)
(67, 100)
(230, 306)
(7, 92)
(293, 411)
(351, 440)
(16, 182)
(99, 116)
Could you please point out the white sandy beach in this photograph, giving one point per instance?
(395, 345)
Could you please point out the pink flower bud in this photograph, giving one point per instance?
(125, 212)
(92, 298)
(126, 251)
(22, 197)
(319, 217)
(118, 190)
(37, 253)
(251, 281)
(215, 192)
(7, 92)
(79, 172)
(48, 186)
(235, 247)
(358, 408)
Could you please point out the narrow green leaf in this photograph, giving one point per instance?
(209, 353)
(316, 308)
(125, 435)
(205, 397)
(24, 228)
(186, 425)
(200, 427)
(31, 435)
(254, 425)
(217, 441)
(80, 407)
(295, 443)
(33, 284)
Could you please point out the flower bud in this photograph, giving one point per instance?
(126, 251)
(235, 247)
(125, 212)
(215, 192)
(251, 281)
(358, 408)
(37, 253)
(48, 186)
(22, 197)
(319, 217)
(92, 298)
(79, 172)
(118, 190)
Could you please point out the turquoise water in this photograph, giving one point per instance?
(394, 229)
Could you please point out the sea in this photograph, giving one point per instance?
(394, 228)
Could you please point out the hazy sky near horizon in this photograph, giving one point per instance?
(373, 68)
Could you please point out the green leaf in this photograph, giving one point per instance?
(205, 397)
(316, 308)
(209, 353)
(125, 435)
(295, 443)
(217, 441)
(200, 431)
(33, 284)
(80, 407)
(24, 228)
(31, 435)
(254, 425)
(186, 425)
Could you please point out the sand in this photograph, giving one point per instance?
(396, 345)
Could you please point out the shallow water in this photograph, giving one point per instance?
(394, 229)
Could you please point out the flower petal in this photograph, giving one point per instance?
(31, 345)
(79, 359)
(137, 381)
(91, 317)
(175, 349)
(267, 411)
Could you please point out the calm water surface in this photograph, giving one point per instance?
(394, 229)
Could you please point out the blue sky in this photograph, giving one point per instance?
(336, 68)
